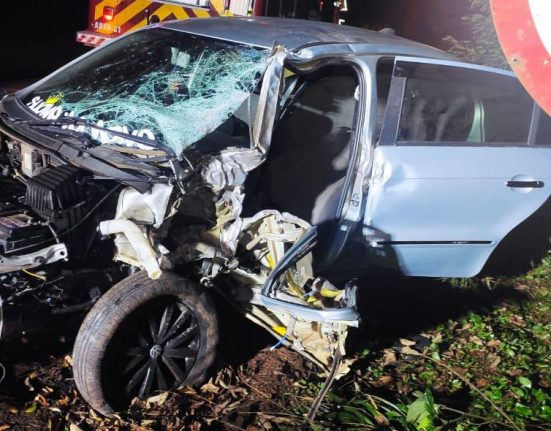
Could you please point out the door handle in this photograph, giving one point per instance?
(533, 184)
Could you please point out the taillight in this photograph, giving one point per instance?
(108, 13)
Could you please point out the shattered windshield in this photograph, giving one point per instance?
(170, 87)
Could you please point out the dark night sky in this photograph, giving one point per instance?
(37, 36)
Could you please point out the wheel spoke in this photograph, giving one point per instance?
(175, 370)
(180, 321)
(165, 322)
(153, 328)
(189, 362)
(147, 384)
(181, 353)
(135, 351)
(161, 382)
(183, 337)
(133, 363)
(136, 378)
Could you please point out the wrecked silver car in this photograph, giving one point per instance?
(272, 161)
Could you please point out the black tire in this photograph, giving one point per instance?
(127, 330)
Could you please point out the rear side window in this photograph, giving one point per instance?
(455, 104)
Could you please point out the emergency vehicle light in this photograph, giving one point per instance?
(108, 13)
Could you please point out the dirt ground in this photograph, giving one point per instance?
(483, 348)
(42, 395)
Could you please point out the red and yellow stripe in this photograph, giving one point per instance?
(132, 14)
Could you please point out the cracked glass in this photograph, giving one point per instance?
(170, 87)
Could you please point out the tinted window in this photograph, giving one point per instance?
(543, 135)
(454, 104)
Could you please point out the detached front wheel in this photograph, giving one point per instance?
(144, 336)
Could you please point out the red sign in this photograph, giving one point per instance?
(524, 30)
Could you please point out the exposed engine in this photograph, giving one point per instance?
(50, 255)
(180, 214)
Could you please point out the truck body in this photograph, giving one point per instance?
(108, 19)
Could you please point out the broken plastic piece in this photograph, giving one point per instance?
(145, 254)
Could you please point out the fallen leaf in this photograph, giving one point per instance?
(210, 388)
(4, 427)
(381, 419)
(158, 400)
(41, 400)
(74, 427)
(31, 408)
(494, 361)
(406, 342)
(493, 343)
(67, 361)
(188, 390)
(383, 381)
(475, 340)
(28, 381)
(389, 357)
(63, 401)
(460, 370)
(480, 383)
(518, 320)
(520, 287)
(409, 351)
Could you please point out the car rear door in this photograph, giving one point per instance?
(457, 167)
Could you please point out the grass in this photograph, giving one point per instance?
(489, 369)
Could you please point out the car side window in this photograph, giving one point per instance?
(543, 132)
(462, 105)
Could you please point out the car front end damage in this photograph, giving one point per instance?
(169, 213)
(262, 263)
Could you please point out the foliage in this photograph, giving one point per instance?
(488, 369)
(483, 45)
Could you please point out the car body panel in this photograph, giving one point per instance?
(441, 208)
(445, 209)
(451, 237)
(267, 32)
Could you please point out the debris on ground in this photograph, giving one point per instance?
(477, 360)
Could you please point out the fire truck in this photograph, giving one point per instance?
(108, 19)
(111, 18)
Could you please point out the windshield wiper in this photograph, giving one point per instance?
(75, 122)
(114, 157)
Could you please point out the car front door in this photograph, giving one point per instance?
(457, 167)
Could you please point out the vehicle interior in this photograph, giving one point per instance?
(455, 104)
(311, 149)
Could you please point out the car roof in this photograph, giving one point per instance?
(296, 34)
